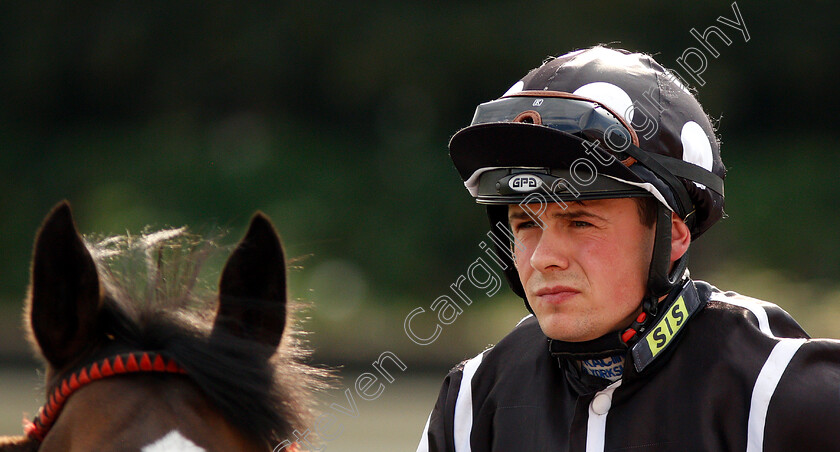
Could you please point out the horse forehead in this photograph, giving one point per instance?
(174, 441)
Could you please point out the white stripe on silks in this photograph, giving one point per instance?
(596, 425)
(463, 406)
(748, 303)
(524, 319)
(424, 440)
(765, 386)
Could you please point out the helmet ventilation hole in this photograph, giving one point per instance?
(529, 117)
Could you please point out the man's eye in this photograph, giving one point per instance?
(524, 225)
(581, 224)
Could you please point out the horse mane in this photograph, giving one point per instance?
(17, 444)
(154, 299)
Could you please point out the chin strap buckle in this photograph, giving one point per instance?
(635, 328)
(650, 308)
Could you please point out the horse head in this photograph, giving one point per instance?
(162, 373)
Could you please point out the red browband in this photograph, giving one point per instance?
(125, 363)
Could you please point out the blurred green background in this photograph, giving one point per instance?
(333, 118)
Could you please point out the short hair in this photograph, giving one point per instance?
(647, 210)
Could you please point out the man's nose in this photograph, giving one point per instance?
(551, 251)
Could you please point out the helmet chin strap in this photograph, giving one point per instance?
(661, 278)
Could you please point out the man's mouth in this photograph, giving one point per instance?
(556, 294)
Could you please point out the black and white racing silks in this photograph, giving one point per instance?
(740, 375)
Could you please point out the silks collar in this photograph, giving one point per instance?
(651, 332)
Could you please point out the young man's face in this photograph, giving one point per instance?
(585, 271)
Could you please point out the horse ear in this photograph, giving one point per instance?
(252, 289)
(64, 296)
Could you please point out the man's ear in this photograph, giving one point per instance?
(680, 237)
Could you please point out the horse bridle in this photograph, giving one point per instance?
(122, 364)
(126, 363)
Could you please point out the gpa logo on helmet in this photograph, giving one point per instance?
(524, 182)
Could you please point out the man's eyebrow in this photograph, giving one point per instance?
(522, 215)
(518, 215)
(578, 214)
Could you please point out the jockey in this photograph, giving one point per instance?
(601, 169)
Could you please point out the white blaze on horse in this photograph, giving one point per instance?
(139, 361)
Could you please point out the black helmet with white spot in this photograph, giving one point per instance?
(593, 124)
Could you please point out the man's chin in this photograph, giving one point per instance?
(562, 328)
(557, 330)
